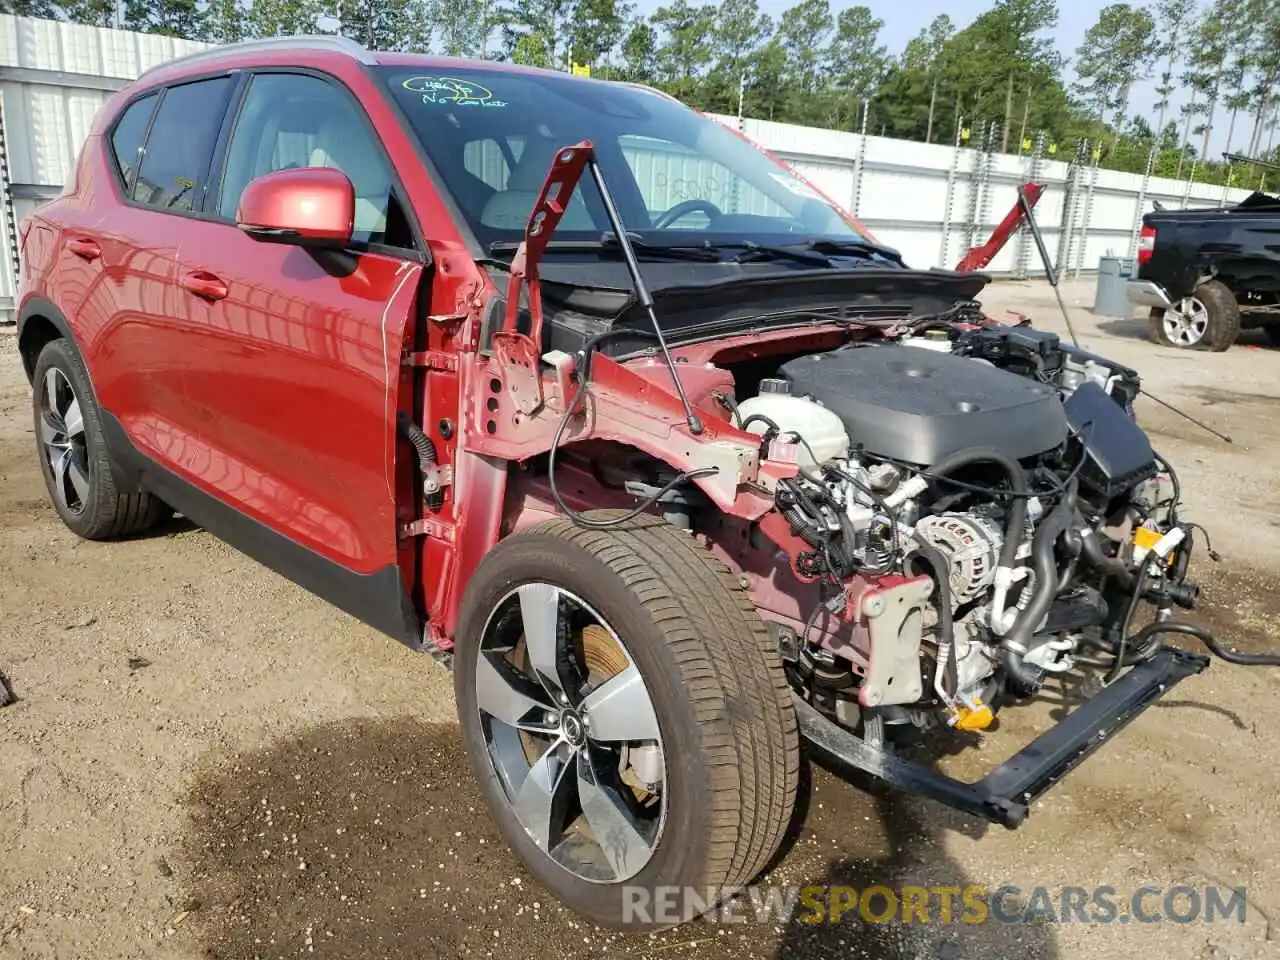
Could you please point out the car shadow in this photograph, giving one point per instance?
(369, 837)
(911, 862)
(1128, 328)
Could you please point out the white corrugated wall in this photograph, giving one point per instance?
(53, 78)
(930, 201)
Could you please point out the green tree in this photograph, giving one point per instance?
(282, 18)
(95, 13)
(534, 31)
(803, 33)
(1116, 53)
(1264, 59)
(533, 50)
(737, 34)
(855, 63)
(597, 24)
(1209, 64)
(48, 9)
(225, 21)
(384, 24)
(640, 53)
(684, 50)
(1173, 17)
(460, 25)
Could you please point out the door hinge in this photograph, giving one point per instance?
(431, 359)
(428, 527)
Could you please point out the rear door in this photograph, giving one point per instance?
(125, 247)
(293, 357)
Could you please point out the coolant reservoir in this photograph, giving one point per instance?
(821, 429)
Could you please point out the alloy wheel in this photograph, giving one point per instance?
(1185, 324)
(62, 439)
(572, 734)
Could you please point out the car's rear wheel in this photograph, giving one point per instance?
(627, 717)
(1209, 319)
(73, 456)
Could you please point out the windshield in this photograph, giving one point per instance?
(678, 178)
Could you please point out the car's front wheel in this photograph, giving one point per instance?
(627, 717)
(1209, 319)
(73, 455)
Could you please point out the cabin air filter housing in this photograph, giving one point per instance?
(919, 406)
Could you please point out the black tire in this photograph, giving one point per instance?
(101, 513)
(1223, 320)
(1272, 331)
(717, 687)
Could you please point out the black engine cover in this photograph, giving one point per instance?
(919, 405)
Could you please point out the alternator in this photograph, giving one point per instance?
(972, 545)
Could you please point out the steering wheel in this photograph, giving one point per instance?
(683, 209)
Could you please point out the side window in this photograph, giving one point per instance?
(295, 120)
(669, 173)
(175, 161)
(126, 139)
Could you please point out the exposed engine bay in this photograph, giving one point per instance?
(932, 513)
(995, 488)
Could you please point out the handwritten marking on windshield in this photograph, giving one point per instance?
(450, 91)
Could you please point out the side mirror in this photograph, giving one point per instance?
(306, 206)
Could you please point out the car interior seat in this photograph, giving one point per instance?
(356, 157)
(510, 208)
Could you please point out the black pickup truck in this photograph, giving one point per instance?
(1207, 274)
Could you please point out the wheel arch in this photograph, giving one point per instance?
(40, 322)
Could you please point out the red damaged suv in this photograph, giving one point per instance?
(614, 414)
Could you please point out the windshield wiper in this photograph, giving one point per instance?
(752, 251)
(857, 248)
(608, 243)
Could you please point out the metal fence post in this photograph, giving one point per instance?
(1142, 200)
(1088, 209)
(859, 163)
(956, 153)
(1023, 262)
(8, 219)
(1191, 179)
(1070, 208)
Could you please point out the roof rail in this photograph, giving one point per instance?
(325, 42)
(649, 89)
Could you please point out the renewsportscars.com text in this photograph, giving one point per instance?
(1006, 904)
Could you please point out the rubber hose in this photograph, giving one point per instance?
(427, 462)
(1208, 639)
(1014, 528)
(946, 628)
(1018, 640)
(1093, 555)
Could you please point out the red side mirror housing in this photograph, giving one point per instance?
(306, 206)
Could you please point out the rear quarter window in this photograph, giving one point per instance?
(127, 136)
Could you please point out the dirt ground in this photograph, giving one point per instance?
(205, 761)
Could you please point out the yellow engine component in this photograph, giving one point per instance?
(977, 717)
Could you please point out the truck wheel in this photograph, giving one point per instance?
(1209, 319)
(73, 454)
(627, 717)
(1272, 330)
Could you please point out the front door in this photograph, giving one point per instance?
(293, 362)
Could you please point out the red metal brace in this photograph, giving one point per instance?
(518, 353)
(979, 257)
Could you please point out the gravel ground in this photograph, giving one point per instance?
(205, 761)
